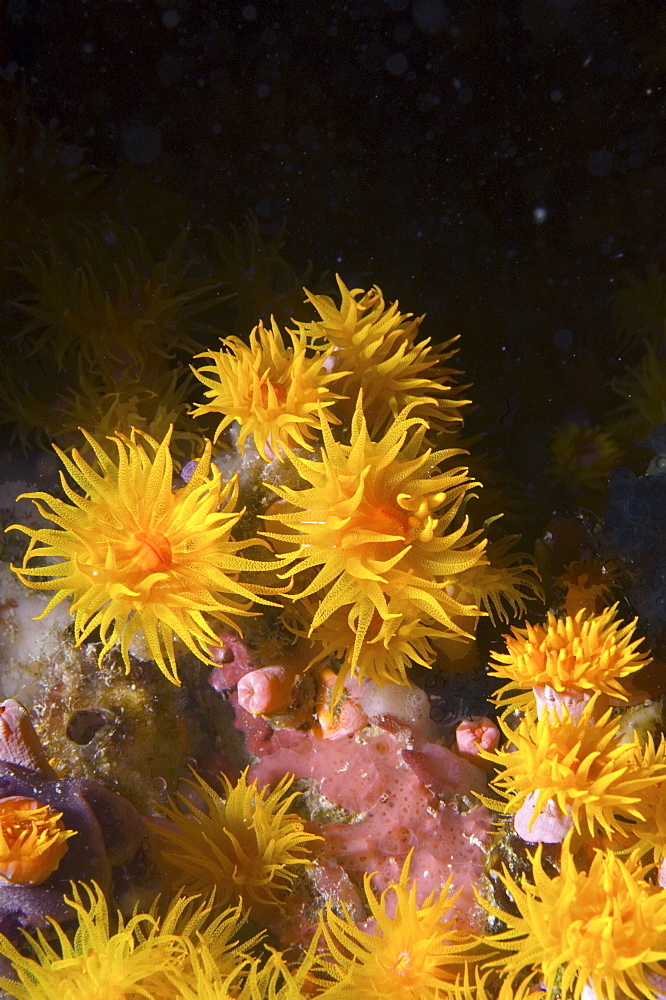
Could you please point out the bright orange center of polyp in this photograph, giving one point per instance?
(278, 389)
(383, 518)
(150, 553)
(402, 964)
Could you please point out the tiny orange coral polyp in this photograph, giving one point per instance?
(584, 653)
(33, 840)
(136, 555)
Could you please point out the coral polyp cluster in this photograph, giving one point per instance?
(262, 735)
(135, 554)
(151, 955)
(568, 762)
(371, 521)
(346, 776)
(588, 922)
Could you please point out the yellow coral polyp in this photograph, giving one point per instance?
(585, 653)
(413, 951)
(639, 307)
(245, 845)
(279, 395)
(583, 766)
(360, 318)
(643, 391)
(502, 581)
(111, 406)
(33, 840)
(105, 297)
(376, 348)
(379, 520)
(584, 456)
(650, 834)
(136, 555)
(604, 929)
(110, 958)
(386, 651)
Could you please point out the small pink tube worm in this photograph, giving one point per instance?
(550, 826)
(555, 702)
(661, 874)
(19, 743)
(657, 982)
(268, 689)
(477, 733)
(334, 722)
(351, 719)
